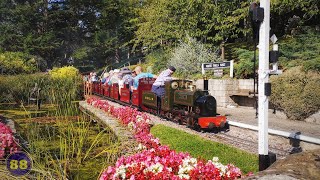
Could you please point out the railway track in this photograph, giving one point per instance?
(246, 140)
(241, 138)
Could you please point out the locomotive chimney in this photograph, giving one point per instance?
(205, 85)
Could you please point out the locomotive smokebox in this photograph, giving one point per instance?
(205, 85)
(207, 106)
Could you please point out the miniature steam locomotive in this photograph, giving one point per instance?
(182, 102)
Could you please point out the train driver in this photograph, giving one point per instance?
(158, 85)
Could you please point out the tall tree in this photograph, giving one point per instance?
(167, 21)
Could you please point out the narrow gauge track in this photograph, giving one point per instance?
(238, 137)
(241, 138)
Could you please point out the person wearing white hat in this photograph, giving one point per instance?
(115, 77)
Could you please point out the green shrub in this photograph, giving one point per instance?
(188, 57)
(244, 67)
(156, 61)
(297, 93)
(17, 88)
(17, 63)
(301, 50)
(61, 85)
(65, 79)
(312, 65)
(64, 72)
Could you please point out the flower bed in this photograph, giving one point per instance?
(8, 144)
(156, 161)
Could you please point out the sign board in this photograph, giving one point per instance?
(218, 72)
(218, 65)
(273, 39)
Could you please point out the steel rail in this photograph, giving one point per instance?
(293, 135)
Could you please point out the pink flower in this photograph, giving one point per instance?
(7, 142)
(157, 161)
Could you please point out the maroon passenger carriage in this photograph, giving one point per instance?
(112, 92)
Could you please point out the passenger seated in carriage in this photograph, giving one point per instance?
(125, 77)
(115, 77)
(105, 77)
(140, 75)
(93, 77)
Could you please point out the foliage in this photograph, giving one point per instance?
(312, 65)
(188, 57)
(17, 63)
(288, 16)
(64, 72)
(104, 32)
(302, 49)
(164, 23)
(184, 142)
(244, 66)
(297, 93)
(157, 60)
(18, 88)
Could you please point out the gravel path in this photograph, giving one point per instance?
(277, 121)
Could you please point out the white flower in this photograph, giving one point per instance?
(221, 167)
(155, 168)
(140, 147)
(139, 118)
(187, 165)
(120, 172)
(184, 176)
(215, 159)
(189, 161)
(147, 121)
(131, 126)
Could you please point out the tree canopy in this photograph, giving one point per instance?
(102, 32)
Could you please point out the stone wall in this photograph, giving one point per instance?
(230, 92)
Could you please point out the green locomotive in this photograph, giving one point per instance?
(185, 104)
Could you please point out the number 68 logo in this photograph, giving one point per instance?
(19, 163)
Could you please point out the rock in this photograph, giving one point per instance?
(305, 165)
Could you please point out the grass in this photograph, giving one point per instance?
(205, 149)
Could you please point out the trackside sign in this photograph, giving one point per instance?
(218, 65)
